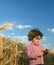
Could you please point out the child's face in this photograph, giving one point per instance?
(36, 40)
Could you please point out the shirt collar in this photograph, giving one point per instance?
(35, 44)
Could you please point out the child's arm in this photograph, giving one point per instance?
(40, 54)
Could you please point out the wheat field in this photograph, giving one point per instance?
(12, 52)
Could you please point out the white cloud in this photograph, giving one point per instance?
(10, 28)
(22, 38)
(50, 30)
(12, 33)
(27, 26)
(44, 38)
(20, 26)
(23, 26)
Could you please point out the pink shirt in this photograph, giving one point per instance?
(32, 51)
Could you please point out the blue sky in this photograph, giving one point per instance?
(26, 15)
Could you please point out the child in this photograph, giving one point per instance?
(35, 51)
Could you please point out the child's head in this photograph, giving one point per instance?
(34, 33)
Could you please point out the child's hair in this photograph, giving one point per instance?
(34, 33)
